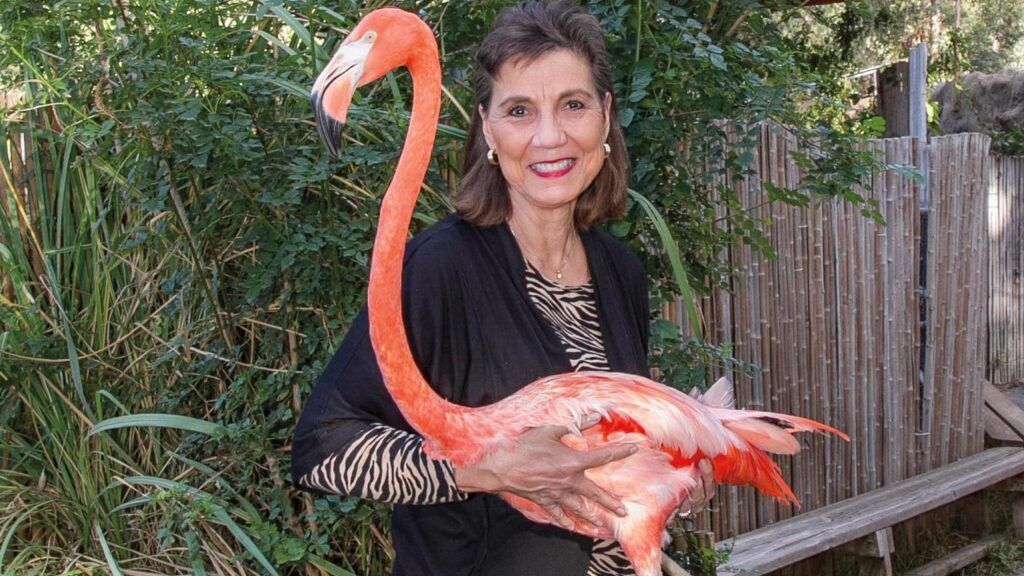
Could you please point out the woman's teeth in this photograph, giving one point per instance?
(548, 167)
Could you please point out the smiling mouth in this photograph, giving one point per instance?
(553, 169)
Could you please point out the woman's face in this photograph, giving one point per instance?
(548, 125)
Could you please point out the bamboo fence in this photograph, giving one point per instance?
(956, 291)
(1006, 254)
(834, 323)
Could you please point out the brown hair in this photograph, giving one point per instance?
(526, 32)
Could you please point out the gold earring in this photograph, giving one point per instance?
(492, 157)
(607, 149)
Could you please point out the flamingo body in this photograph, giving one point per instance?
(674, 431)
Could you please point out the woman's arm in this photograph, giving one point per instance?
(351, 439)
(386, 465)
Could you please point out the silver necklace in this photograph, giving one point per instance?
(566, 250)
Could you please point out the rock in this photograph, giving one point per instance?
(985, 103)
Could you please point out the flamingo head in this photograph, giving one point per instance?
(382, 41)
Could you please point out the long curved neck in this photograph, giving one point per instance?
(420, 405)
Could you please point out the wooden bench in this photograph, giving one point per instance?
(863, 523)
(861, 527)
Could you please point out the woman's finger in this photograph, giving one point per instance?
(551, 431)
(707, 479)
(573, 504)
(589, 420)
(602, 456)
(602, 498)
(558, 515)
(707, 483)
(576, 504)
(703, 491)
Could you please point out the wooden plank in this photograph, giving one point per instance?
(978, 279)
(875, 545)
(960, 559)
(774, 547)
(1004, 408)
(918, 121)
(999, 432)
(1018, 517)
(894, 99)
(1006, 249)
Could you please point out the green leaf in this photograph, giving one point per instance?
(133, 503)
(276, 42)
(160, 421)
(626, 117)
(12, 530)
(326, 566)
(294, 24)
(289, 550)
(115, 570)
(679, 273)
(786, 195)
(244, 539)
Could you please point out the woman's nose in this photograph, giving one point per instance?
(550, 133)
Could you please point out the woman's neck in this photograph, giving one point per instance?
(545, 238)
(549, 241)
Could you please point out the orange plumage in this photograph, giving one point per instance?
(675, 431)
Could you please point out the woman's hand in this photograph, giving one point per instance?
(702, 493)
(542, 469)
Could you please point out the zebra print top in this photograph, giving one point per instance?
(390, 465)
(572, 312)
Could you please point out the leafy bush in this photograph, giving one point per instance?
(175, 241)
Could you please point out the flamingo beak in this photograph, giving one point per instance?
(332, 92)
(330, 109)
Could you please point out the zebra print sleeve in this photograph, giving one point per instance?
(608, 559)
(386, 465)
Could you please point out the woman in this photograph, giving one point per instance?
(517, 285)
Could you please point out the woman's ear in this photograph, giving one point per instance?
(488, 136)
(607, 104)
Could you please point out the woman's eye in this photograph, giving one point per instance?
(574, 105)
(517, 111)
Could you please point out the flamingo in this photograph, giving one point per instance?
(675, 432)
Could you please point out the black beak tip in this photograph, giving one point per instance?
(331, 135)
(330, 129)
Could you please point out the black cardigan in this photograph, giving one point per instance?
(477, 338)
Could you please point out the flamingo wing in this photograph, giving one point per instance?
(684, 429)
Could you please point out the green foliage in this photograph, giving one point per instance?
(694, 84)
(187, 258)
(1008, 143)
(962, 36)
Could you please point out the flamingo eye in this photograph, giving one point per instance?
(371, 36)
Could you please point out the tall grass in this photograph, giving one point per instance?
(128, 288)
(80, 311)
